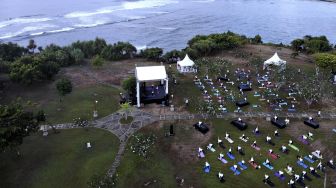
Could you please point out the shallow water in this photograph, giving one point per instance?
(164, 23)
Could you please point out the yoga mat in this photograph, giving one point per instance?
(223, 160)
(273, 156)
(294, 147)
(282, 178)
(201, 155)
(244, 140)
(309, 159)
(236, 172)
(230, 156)
(289, 173)
(256, 148)
(229, 140)
(302, 164)
(244, 167)
(206, 169)
(303, 141)
(254, 165)
(268, 166)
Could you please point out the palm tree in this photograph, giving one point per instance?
(31, 46)
(125, 108)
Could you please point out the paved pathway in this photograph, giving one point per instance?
(141, 119)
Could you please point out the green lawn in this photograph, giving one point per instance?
(59, 160)
(163, 166)
(80, 103)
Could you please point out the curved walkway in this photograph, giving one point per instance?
(124, 132)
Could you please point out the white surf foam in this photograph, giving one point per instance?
(22, 21)
(25, 30)
(61, 30)
(124, 6)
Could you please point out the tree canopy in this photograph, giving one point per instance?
(15, 124)
(326, 61)
(64, 86)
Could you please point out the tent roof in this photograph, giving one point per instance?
(186, 62)
(275, 59)
(149, 73)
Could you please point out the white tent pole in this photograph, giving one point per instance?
(138, 94)
(166, 85)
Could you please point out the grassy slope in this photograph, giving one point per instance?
(80, 103)
(59, 160)
(164, 166)
(252, 176)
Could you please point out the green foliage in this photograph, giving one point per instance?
(129, 85)
(118, 51)
(64, 86)
(40, 116)
(172, 56)
(141, 145)
(311, 44)
(15, 124)
(297, 44)
(90, 48)
(256, 40)
(77, 55)
(48, 69)
(326, 61)
(203, 45)
(24, 73)
(10, 51)
(101, 181)
(152, 53)
(97, 61)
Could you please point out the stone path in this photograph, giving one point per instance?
(141, 119)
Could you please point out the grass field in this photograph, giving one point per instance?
(80, 103)
(59, 160)
(177, 157)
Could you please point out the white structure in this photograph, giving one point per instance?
(186, 65)
(276, 61)
(150, 73)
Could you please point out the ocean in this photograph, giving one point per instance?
(168, 24)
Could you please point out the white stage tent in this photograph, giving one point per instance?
(276, 61)
(186, 65)
(150, 73)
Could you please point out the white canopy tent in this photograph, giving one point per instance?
(150, 73)
(275, 60)
(186, 65)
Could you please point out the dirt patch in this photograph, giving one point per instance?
(186, 149)
(110, 73)
(242, 54)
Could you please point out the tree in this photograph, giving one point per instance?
(77, 55)
(152, 53)
(129, 85)
(97, 61)
(48, 69)
(125, 108)
(11, 51)
(31, 46)
(257, 40)
(64, 86)
(40, 116)
(326, 61)
(15, 124)
(24, 73)
(297, 44)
